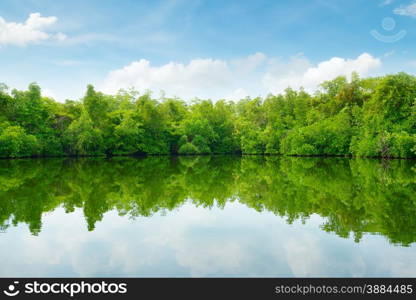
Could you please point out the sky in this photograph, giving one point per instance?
(205, 49)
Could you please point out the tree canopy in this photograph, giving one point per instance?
(370, 117)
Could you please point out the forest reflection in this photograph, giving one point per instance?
(353, 196)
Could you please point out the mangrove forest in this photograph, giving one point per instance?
(363, 117)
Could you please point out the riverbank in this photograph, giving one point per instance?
(212, 155)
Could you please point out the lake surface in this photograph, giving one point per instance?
(207, 216)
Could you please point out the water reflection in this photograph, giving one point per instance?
(241, 216)
(354, 196)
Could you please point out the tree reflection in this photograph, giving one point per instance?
(354, 196)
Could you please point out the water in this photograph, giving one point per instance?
(207, 216)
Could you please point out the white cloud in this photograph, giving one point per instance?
(253, 75)
(299, 72)
(91, 38)
(386, 2)
(48, 93)
(31, 31)
(248, 64)
(60, 37)
(406, 10)
(237, 94)
(199, 78)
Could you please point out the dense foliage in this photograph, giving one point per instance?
(353, 196)
(360, 117)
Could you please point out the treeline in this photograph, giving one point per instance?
(371, 117)
(354, 197)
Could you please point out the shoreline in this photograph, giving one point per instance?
(212, 154)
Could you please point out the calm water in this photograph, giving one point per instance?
(207, 216)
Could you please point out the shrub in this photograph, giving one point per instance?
(188, 149)
(14, 142)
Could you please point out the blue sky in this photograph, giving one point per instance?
(200, 48)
